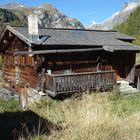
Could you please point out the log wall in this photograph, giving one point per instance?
(18, 71)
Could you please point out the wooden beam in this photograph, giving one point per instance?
(82, 73)
(56, 51)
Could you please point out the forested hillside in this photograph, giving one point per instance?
(8, 17)
(131, 26)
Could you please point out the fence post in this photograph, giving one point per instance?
(54, 84)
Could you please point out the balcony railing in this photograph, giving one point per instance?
(65, 83)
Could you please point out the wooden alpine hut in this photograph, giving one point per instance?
(57, 61)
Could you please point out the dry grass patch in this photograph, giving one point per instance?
(93, 117)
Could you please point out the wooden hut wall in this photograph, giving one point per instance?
(22, 64)
(124, 64)
(75, 62)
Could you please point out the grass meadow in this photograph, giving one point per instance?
(90, 116)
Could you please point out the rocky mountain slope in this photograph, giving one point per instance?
(48, 16)
(117, 18)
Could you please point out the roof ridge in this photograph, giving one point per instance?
(69, 29)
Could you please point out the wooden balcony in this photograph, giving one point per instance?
(66, 83)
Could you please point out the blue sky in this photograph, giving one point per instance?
(85, 11)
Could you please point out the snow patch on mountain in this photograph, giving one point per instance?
(116, 18)
(93, 23)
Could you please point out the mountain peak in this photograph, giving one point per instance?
(118, 17)
(125, 5)
(130, 6)
(48, 16)
(46, 6)
(49, 8)
(93, 23)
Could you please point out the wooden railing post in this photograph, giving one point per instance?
(54, 84)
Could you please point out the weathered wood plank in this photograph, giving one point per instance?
(57, 51)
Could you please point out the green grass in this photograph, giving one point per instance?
(92, 117)
(126, 105)
(10, 105)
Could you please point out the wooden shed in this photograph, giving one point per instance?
(60, 61)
